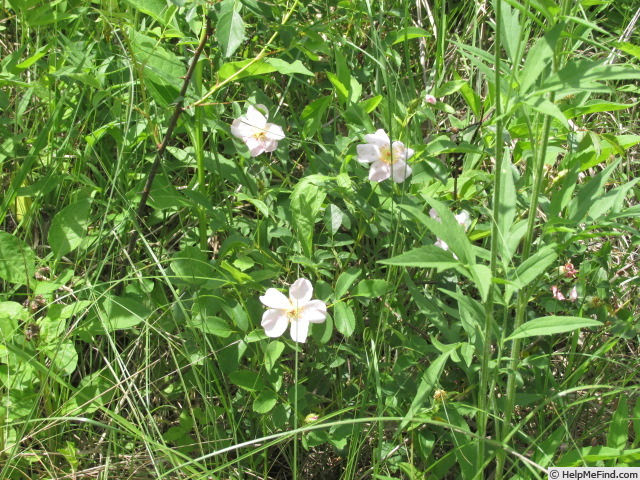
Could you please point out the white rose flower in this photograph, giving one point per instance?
(298, 310)
(255, 132)
(387, 159)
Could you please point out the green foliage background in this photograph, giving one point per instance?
(130, 337)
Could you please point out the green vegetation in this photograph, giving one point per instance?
(474, 264)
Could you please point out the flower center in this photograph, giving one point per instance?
(390, 155)
(260, 135)
(294, 313)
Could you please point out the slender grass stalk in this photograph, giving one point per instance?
(198, 147)
(484, 394)
(295, 417)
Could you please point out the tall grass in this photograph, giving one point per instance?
(130, 320)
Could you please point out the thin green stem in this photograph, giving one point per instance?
(484, 393)
(295, 417)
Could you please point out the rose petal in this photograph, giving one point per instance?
(299, 330)
(300, 292)
(379, 171)
(380, 138)
(269, 145)
(368, 153)
(274, 322)
(240, 128)
(400, 171)
(274, 132)
(273, 298)
(440, 243)
(463, 218)
(256, 147)
(315, 311)
(255, 118)
(408, 153)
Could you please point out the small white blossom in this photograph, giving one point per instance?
(298, 310)
(255, 132)
(387, 159)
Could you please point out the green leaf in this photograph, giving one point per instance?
(274, 350)
(254, 67)
(596, 106)
(230, 30)
(265, 402)
(552, 325)
(287, 68)
(582, 203)
(544, 106)
(539, 57)
(213, 325)
(306, 201)
(429, 381)
(247, 380)
(481, 276)
(10, 314)
(64, 357)
(69, 227)
(428, 256)
(333, 218)
(156, 9)
(118, 313)
(371, 288)
(345, 280)
(619, 429)
(162, 68)
(405, 34)
(585, 74)
(344, 319)
(191, 266)
(534, 266)
(506, 207)
(94, 391)
(243, 69)
(340, 88)
(17, 260)
(312, 115)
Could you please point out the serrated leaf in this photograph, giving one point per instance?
(230, 30)
(551, 325)
(344, 319)
(17, 260)
(69, 227)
